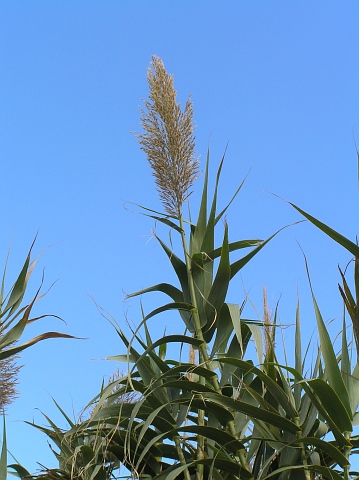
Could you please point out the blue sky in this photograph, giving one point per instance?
(277, 80)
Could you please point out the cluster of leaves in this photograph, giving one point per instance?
(223, 415)
(226, 416)
(14, 318)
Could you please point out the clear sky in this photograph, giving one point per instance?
(278, 80)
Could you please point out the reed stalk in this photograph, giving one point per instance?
(169, 144)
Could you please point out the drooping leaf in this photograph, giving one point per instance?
(179, 267)
(21, 472)
(271, 385)
(173, 292)
(332, 369)
(325, 472)
(333, 404)
(317, 401)
(44, 336)
(253, 412)
(326, 447)
(336, 236)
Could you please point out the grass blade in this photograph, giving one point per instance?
(336, 236)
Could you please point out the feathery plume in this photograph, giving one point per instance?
(8, 381)
(169, 140)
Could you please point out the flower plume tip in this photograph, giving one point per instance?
(169, 140)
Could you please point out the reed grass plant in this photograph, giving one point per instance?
(223, 414)
(15, 316)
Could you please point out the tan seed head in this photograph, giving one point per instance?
(168, 140)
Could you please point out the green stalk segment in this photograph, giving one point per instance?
(203, 348)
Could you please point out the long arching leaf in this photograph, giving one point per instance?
(253, 412)
(336, 236)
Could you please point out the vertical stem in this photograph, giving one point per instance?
(200, 438)
(203, 350)
(203, 358)
(302, 451)
(346, 452)
(181, 457)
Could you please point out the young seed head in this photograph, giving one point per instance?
(268, 332)
(168, 140)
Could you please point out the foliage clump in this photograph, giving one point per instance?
(227, 414)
